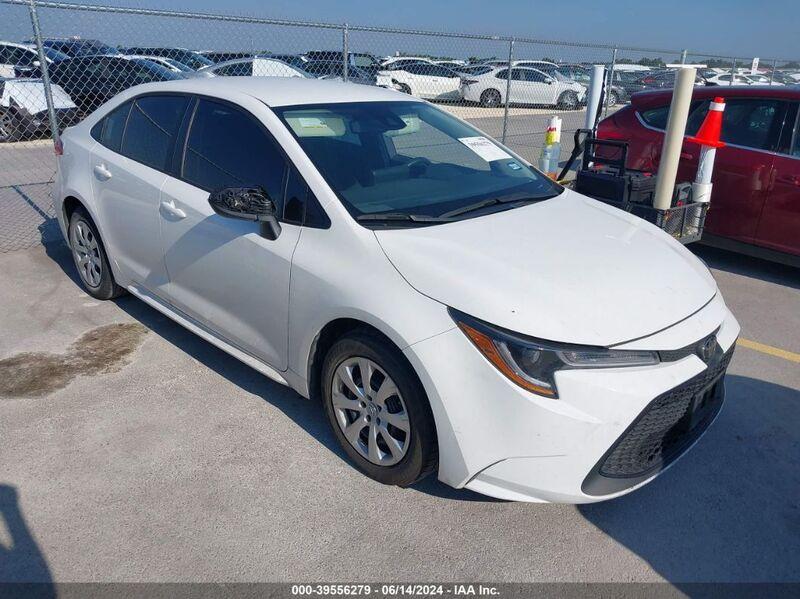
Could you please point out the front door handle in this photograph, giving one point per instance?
(790, 179)
(172, 210)
(101, 172)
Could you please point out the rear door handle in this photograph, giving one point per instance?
(171, 209)
(101, 172)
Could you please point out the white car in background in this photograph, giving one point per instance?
(527, 86)
(258, 66)
(22, 60)
(739, 79)
(453, 310)
(23, 108)
(168, 63)
(396, 62)
(426, 80)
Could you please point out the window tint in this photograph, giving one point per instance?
(753, 123)
(502, 74)
(109, 130)
(535, 76)
(239, 69)
(656, 117)
(152, 127)
(229, 148)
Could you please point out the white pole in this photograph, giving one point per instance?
(673, 137)
(593, 95)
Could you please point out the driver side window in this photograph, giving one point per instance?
(227, 147)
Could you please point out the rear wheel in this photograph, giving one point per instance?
(378, 410)
(612, 98)
(491, 98)
(90, 257)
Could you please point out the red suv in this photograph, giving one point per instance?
(755, 203)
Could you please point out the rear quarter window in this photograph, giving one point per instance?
(108, 131)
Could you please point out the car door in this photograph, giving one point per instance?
(540, 86)
(751, 130)
(222, 272)
(128, 172)
(416, 77)
(779, 226)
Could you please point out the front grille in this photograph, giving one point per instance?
(668, 425)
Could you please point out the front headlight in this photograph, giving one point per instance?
(532, 363)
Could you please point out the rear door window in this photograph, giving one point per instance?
(656, 117)
(152, 128)
(228, 147)
(749, 122)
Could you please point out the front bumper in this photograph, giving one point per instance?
(31, 124)
(499, 440)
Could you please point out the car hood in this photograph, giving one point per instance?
(568, 269)
(29, 94)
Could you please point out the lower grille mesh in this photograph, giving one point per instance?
(665, 428)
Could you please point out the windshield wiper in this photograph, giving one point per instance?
(400, 217)
(491, 202)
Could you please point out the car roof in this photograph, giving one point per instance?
(281, 91)
(663, 96)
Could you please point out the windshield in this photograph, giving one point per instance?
(408, 158)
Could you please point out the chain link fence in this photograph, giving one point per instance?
(59, 61)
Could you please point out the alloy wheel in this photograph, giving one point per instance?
(370, 411)
(6, 125)
(87, 254)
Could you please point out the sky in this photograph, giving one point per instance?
(742, 27)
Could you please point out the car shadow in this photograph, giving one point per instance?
(307, 414)
(23, 568)
(748, 266)
(730, 509)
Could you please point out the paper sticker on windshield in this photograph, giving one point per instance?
(484, 148)
(315, 123)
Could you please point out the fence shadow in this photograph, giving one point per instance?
(22, 561)
(730, 509)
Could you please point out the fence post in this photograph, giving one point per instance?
(772, 72)
(508, 87)
(610, 80)
(733, 71)
(345, 53)
(48, 92)
(683, 56)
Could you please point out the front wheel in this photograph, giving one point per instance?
(568, 101)
(612, 98)
(378, 410)
(10, 129)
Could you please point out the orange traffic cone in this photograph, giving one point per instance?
(711, 129)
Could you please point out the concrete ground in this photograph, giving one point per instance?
(167, 460)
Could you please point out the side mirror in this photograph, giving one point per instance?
(36, 63)
(550, 81)
(247, 203)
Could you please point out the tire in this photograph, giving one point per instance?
(91, 260)
(491, 98)
(10, 129)
(613, 100)
(413, 454)
(567, 100)
(404, 88)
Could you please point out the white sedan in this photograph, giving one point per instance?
(426, 80)
(454, 311)
(527, 86)
(258, 66)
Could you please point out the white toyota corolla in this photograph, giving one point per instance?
(456, 311)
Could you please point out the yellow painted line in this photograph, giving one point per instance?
(768, 349)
